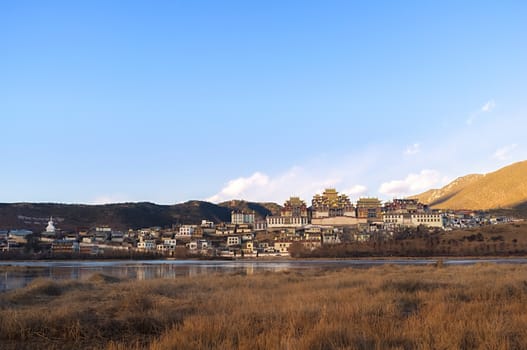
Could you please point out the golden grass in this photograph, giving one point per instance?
(483, 306)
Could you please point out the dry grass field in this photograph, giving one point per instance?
(483, 306)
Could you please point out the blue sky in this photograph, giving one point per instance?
(167, 101)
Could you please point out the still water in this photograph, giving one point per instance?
(17, 274)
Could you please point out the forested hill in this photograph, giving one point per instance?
(68, 217)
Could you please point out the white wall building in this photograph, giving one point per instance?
(147, 244)
(186, 230)
(414, 219)
(207, 224)
(233, 240)
(170, 242)
(242, 218)
(286, 221)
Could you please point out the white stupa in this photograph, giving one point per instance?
(50, 229)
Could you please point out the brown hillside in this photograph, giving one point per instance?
(260, 209)
(504, 188)
(450, 190)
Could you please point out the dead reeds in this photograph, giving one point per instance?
(483, 306)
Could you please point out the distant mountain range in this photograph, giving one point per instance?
(123, 216)
(502, 189)
(505, 188)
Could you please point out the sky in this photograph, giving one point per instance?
(170, 101)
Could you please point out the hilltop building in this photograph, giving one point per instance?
(332, 209)
(293, 214)
(369, 209)
(294, 206)
(241, 218)
(331, 204)
(411, 213)
(405, 205)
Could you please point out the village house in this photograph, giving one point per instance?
(146, 244)
(233, 240)
(64, 246)
(282, 246)
(186, 231)
(248, 247)
(19, 236)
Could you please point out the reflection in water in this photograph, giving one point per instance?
(139, 270)
(21, 273)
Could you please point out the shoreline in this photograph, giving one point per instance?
(271, 259)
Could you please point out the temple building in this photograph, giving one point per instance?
(294, 206)
(405, 205)
(332, 208)
(293, 214)
(370, 209)
(410, 213)
(331, 204)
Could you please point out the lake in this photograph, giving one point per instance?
(17, 274)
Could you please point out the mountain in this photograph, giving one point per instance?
(260, 209)
(438, 195)
(121, 216)
(504, 188)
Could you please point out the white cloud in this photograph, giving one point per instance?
(382, 170)
(313, 176)
(489, 106)
(357, 190)
(412, 184)
(413, 149)
(239, 187)
(262, 187)
(504, 153)
(486, 108)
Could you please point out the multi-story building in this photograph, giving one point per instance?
(65, 246)
(146, 244)
(331, 204)
(234, 240)
(293, 214)
(170, 242)
(369, 209)
(186, 231)
(282, 246)
(404, 205)
(286, 221)
(260, 225)
(410, 213)
(332, 209)
(294, 206)
(430, 219)
(240, 217)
